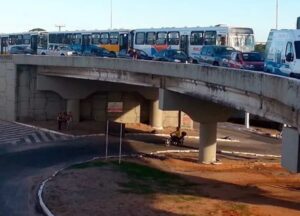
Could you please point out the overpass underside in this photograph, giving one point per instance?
(207, 94)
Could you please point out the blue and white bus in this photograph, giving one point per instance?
(191, 40)
(83, 41)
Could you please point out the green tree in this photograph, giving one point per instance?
(260, 48)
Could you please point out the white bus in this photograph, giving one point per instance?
(29, 39)
(190, 40)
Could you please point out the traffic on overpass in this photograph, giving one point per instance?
(150, 108)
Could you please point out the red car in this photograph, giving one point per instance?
(246, 60)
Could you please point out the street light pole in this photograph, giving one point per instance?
(111, 14)
(277, 8)
(60, 27)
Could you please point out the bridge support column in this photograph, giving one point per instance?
(156, 115)
(208, 143)
(73, 106)
(291, 149)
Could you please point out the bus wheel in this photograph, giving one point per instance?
(43, 53)
(62, 54)
(215, 64)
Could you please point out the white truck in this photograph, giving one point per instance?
(283, 53)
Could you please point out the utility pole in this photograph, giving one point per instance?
(59, 27)
(111, 14)
(277, 8)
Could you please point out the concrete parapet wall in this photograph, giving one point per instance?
(7, 89)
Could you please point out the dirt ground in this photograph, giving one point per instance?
(237, 186)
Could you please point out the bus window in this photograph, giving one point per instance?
(76, 38)
(150, 38)
(96, 38)
(59, 38)
(124, 41)
(52, 38)
(86, 39)
(140, 38)
(19, 40)
(210, 38)
(173, 38)
(197, 38)
(26, 39)
(161, 38)
(68, 39)
(104, 38)
(114, 38)
(221, 40)
(42, 41)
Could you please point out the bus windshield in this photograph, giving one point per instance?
(243, 42)
(242, 39)
(297, 48)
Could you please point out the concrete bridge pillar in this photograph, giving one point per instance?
(73, 106)
(291, 149)
(205, 112)
(156, 115)
(208, 143)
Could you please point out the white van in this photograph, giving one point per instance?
(283, 53)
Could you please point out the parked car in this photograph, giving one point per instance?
(55, 50)
(128, 54)
(171, 55)
(215, 55)
(247, 60)
(100, 52)
(21, 50)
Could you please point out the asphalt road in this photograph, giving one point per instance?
(25, 167)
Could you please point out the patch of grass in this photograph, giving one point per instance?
(88, 165)
(243, 210)
(185, 198)
(148, 180)
(140, 188)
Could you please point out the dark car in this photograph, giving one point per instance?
(128, 54)
(171, 55)
(100, 52)
(247, 60)
(21, 50)
(215, 55)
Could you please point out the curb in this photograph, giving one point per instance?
(189, 137)
(219, 151)
(47, 212)
(41, 202)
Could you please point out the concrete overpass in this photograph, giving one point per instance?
(208, 94)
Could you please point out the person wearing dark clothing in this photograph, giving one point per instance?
(59, 120)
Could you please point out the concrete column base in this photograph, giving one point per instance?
(156, 115)
(208, 143)
(73, 106)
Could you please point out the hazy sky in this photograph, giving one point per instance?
(23, 15)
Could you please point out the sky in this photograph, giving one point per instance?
(23, 15)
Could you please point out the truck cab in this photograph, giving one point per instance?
(283, 53)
